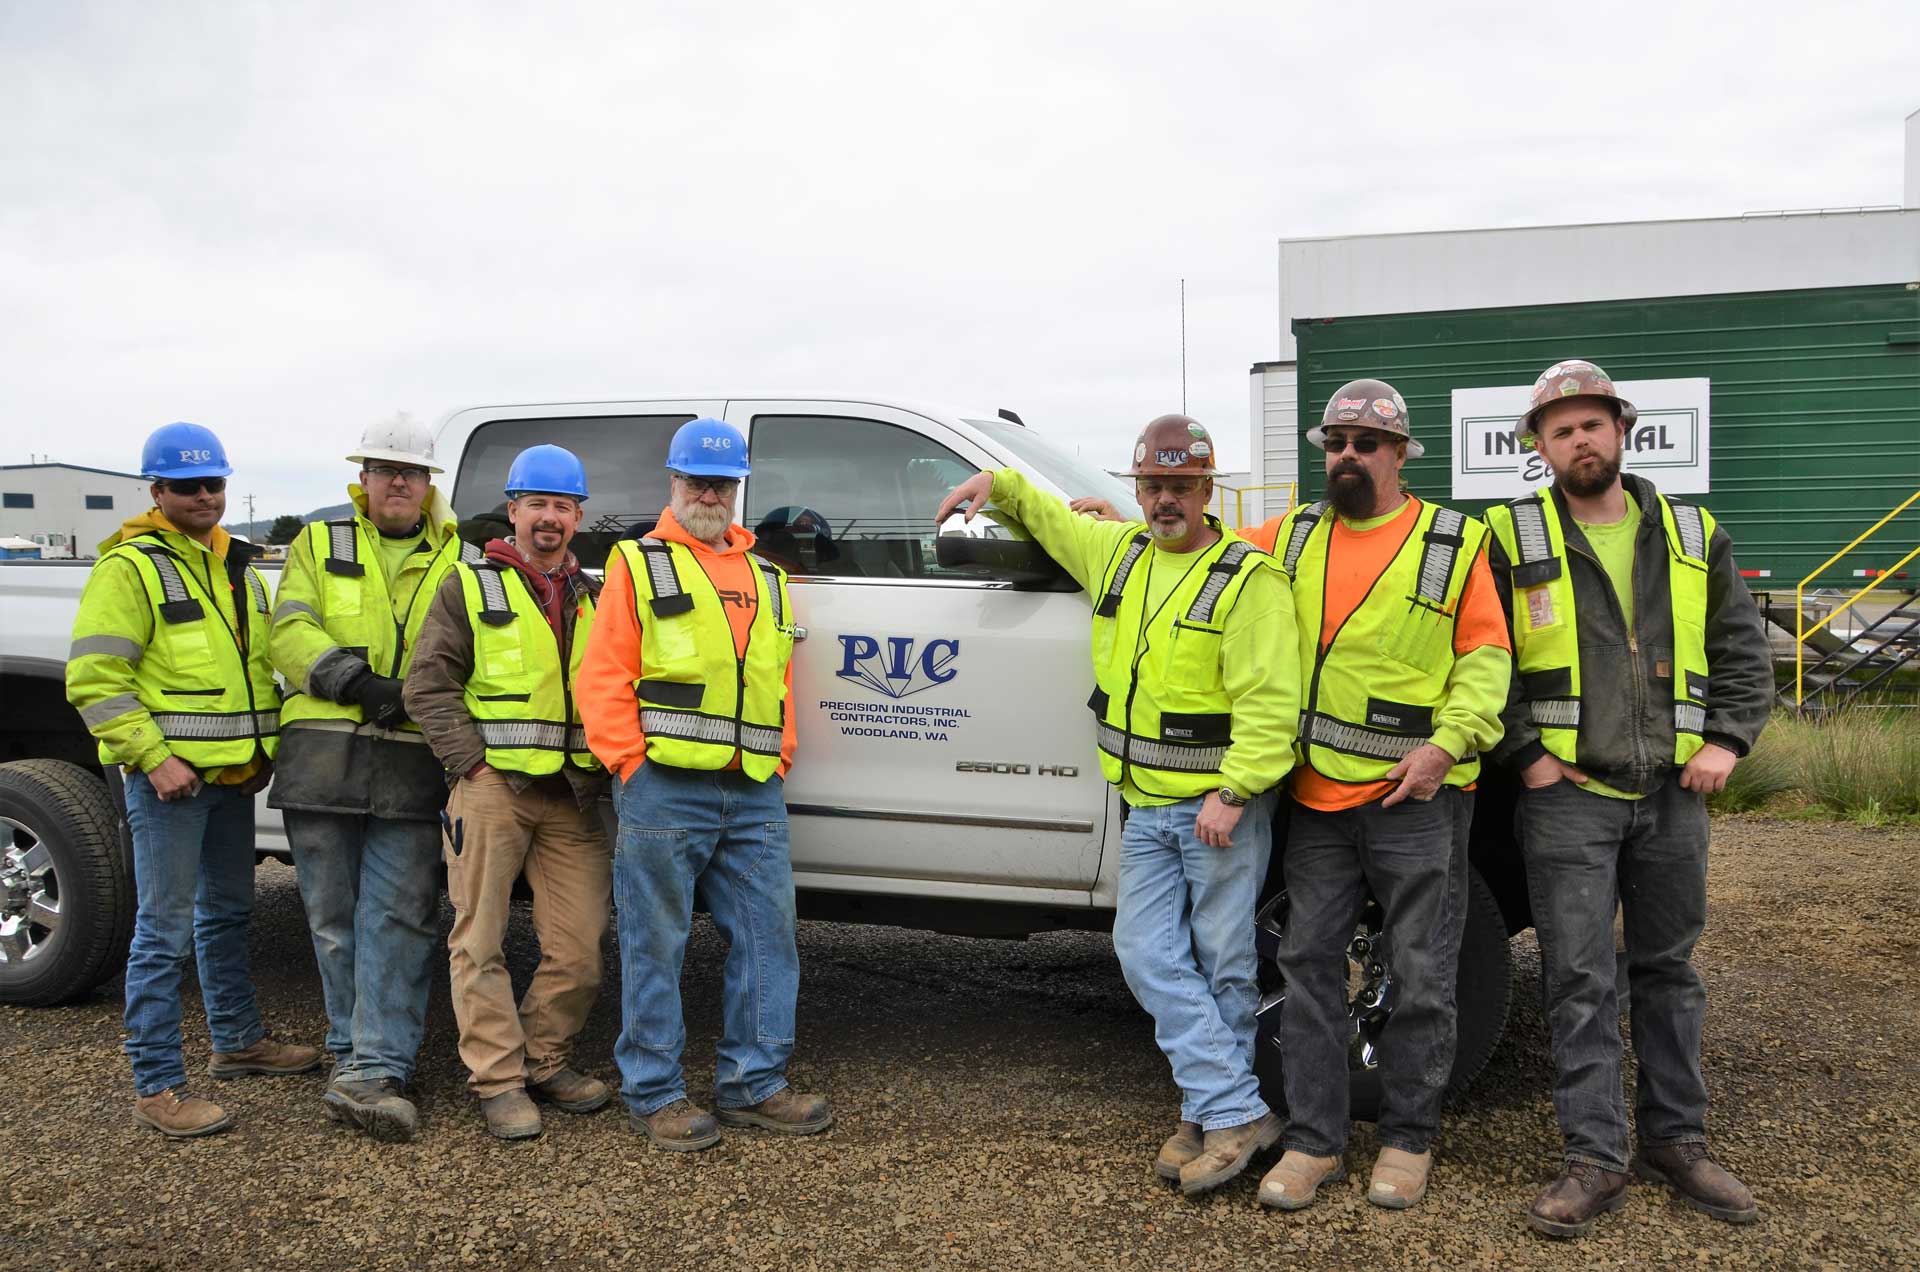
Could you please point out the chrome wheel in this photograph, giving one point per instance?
(30, 914)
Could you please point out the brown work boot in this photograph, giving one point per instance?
(1225, 1153)
(1181, 1147)
(268, 1056)
(1399, 1178)
(571, 1091)
(679, 1127)
(178, 1115)
(1568, 1206)
(1297, 1176)
(1702, 1182)
(510, 1115)
(378, 1106)
(785, 1112)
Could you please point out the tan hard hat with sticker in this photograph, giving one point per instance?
(1371, 404)
(1571, 377)
(1171, 445)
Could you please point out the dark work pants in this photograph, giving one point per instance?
(1584, 853)
(1414, 858)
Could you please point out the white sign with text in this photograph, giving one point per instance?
(1668, 444)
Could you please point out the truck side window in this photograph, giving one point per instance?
(625, 458)
(833, 495)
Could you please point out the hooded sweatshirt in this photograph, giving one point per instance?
(116, 603)
(612, 663)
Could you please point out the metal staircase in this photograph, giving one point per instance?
(1864, 658)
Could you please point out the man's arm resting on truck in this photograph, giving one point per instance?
(1082, 545)
(436, 683)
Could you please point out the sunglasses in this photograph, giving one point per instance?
(1178, 487)
(1365, 444)
(194, 485)
(721, 486)
(391, 473)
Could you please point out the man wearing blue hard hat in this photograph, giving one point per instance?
(169, 671)
(492, 684)
(685, 695)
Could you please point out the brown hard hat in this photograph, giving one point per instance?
(1173, 445)
(1371, 404)
(1571, 378)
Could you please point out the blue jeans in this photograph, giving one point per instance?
(1584, 852)
(371, 888)
(1413, 857)
(1183, 929)
(724, 835)
(193, 879)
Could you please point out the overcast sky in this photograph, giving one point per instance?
(284, 221)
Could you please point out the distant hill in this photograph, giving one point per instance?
(256, 531)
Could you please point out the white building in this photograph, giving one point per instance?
(66, 508)
(1376, 274)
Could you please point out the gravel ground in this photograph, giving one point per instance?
(998, 1105)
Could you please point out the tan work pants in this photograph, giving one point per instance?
(564, 852)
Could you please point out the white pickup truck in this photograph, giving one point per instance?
(946, 778)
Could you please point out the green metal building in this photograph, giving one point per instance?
(1814, 401)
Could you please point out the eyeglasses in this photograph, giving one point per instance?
(194, 485)
(1178, 487)
(391, 473)
(725, 487)
(1365, 443)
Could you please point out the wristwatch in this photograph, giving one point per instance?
(1231, 798)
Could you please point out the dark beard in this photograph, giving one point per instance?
(1582, 487)
(1350, 491)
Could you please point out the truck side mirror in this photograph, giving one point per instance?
(996, 547)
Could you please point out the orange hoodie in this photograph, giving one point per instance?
(611, 664)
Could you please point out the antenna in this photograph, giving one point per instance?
(1183, 346)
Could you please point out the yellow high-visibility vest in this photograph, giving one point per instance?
(520, 695)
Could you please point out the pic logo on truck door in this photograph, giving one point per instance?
(893, 667)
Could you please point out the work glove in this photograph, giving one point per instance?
(379, 697)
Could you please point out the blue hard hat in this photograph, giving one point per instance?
(183, 450)
(708, 448)
(547, 470)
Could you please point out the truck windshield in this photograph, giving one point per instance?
(1070, 473)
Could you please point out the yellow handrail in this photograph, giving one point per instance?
(1240, 503)
(1802, 631)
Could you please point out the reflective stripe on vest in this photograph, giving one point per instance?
(1546, 625)
(701, 706)
(355, 609)
(1165, 719)
(211, 695)
(519, 695)
(1303, 523)
(1374, 690)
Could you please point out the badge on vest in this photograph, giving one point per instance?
(1540, 608)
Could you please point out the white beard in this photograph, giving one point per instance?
(703, 521)
(1169, 534)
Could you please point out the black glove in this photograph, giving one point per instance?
(379, 697)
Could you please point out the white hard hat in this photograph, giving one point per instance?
(402, 439)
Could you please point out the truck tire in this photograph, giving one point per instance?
(1480, 997)
(66, 883)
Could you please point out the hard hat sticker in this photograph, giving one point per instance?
(1139, 451)
(1193, 427)
(1385, 409)
(1351, 404)
(1200, 450)
(1170, 458)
